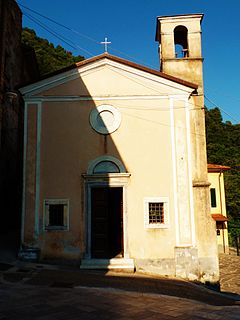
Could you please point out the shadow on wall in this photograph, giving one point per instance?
(75, 176)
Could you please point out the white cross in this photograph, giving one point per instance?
(105, 42)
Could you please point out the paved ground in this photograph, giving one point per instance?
(21, 301)
(230, 273)
(37, 291)
(42, 275)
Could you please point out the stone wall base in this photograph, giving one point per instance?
(186, 259)
(30, 254)
(186, 265)
(164, 267)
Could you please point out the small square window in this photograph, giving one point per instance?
(156, 212)
(56, 214)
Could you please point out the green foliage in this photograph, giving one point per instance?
(49, 58)
(223, 147)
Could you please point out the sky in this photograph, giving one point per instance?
(130, 25)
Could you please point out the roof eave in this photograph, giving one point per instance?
(82, 63)
(175, 17)
(217, 168)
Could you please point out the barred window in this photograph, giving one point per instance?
(156, 213)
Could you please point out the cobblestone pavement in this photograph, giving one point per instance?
(21, 301)
(229, 273)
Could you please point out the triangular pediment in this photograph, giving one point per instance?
(104, 75)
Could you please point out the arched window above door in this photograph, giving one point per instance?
(106, 164)
(106, 167)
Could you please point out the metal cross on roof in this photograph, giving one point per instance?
(105, 42)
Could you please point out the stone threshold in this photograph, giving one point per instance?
(108, 264)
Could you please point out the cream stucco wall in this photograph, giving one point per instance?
(142, 143)
(66, 133)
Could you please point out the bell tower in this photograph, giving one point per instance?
(180, 51)
(180, 55)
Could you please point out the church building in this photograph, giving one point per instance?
(115, 168)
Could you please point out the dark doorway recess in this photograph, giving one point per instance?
(106, 223)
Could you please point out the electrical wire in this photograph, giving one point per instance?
(160, 108)
(83, 35)
(237, 121)
(50, 31)
(163, 124)
(148, 87)
(59, 24)
(75, 46)
(132, 58)
(55, 34)
(158, 91)
(161, 93)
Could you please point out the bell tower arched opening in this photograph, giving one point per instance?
(181, 42)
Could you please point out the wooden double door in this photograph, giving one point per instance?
(106, 222)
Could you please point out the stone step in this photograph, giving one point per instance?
(108, 264)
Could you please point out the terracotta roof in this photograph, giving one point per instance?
(219, 217)
(122, 61)
(217, 168)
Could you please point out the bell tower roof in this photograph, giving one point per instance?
(175, 18)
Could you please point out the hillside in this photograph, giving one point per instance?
(223, 147)
(49, 57)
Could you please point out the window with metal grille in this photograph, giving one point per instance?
(156, 212)
(56, 214)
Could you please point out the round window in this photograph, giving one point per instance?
(105, 119)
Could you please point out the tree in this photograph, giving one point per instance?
(223, 147)
(49, 58)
